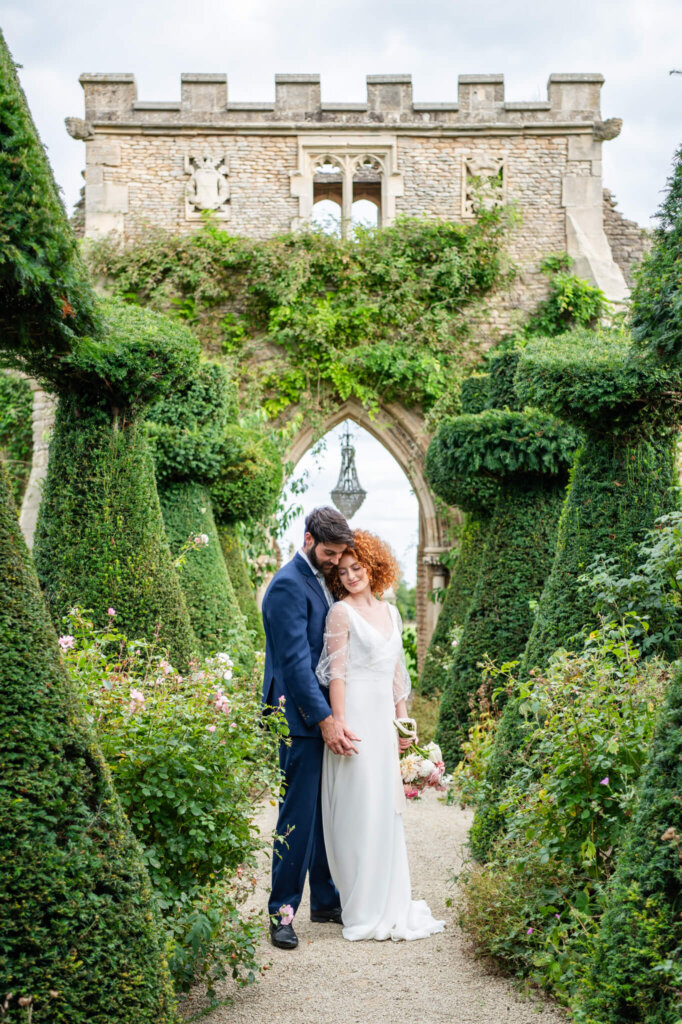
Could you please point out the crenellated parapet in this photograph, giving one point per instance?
(204, 100)
(264, 168)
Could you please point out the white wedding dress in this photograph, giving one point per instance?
(362, 795)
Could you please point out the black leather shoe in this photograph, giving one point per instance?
(327, 916)
(283, 936)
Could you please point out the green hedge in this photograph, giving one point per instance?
(16, 431)
(656, 306)
(597, 381)
(617, 492)
(501, 367)
(46, 300)
(518, 555)
(250, 479)
(99, 540)
(458, 597)
(78, 930)
(241, 583)
(186, 427)
(215, 615)
(475, 392)
(636, 974)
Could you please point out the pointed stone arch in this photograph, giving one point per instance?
(402, 434)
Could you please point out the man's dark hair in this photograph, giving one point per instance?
(327, 526)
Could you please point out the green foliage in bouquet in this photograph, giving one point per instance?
(656, 310)
(16, 431)
(80, 941)
(46, 301)
(191, 756)
(635, 972)
(453, 613)
(241, 582)
(100, 540)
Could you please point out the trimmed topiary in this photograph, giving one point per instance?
(458, 597)
(46, 300)
(241, 582)
(656, 308)
(250, 478)
(100, 541)
(16, 430)
(187, 431)
(621, 482)
(623, 474)
(635, 975)
(79, 935)
(501, 367)
(214, 610)
(526, 454)
(475, 392)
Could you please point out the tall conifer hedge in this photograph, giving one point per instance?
(79, 933)
(524, 456)
(621, 482)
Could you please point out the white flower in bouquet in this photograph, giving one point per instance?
(409, 767)
(434, 752)
(425, 768)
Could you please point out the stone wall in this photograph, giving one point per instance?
(627, 239)
(257, 165)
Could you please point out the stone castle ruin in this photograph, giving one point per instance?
(260, 168)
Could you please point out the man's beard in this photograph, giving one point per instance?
(312, 557)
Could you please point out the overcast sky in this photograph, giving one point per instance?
(634, 43)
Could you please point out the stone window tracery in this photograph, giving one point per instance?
(347, 172)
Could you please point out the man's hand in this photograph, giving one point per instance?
(338, 737)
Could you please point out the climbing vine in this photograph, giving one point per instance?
(309, 319)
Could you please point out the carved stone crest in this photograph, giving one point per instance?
(483, 184)
(207, 188)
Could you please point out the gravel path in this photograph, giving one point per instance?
(431, 981)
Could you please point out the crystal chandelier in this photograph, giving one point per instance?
(348, 495)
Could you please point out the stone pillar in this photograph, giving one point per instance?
(44, 406)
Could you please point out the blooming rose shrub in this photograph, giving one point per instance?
(190, 756)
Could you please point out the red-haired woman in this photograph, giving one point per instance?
(363, 665)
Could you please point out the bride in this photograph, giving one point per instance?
(363, 665)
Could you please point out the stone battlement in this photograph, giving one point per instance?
(572, 100)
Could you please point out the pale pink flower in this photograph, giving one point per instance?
(211, 728)
(529, 932)
(233, 725)
(111, 612)
(434, 778)
(165, 666)
(286, 914)
(65, 642)
(201, 540)
(411, 792)
(604, 781)
(137, 695)
(282, 700)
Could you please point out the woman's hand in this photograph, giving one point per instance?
(405, 741)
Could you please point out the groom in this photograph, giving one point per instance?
(295, 608)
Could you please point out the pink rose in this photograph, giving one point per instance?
(411, 792)
(111, 612)
(286, 914)
(211, 728)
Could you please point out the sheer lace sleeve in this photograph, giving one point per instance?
(402, 683)
(332, 663)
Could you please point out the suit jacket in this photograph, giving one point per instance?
(294, 614)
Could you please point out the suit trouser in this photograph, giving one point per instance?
(302, 851)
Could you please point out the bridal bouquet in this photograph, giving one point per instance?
(420, 766)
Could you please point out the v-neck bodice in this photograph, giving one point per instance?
(386, 637)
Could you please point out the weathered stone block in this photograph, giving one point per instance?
(581, 190)
(202, 93)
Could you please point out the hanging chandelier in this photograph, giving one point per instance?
(348, 495)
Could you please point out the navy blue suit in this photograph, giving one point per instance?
(294, 614)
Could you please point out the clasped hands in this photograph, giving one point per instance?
(338, 737)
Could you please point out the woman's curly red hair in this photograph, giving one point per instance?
(377, 558)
